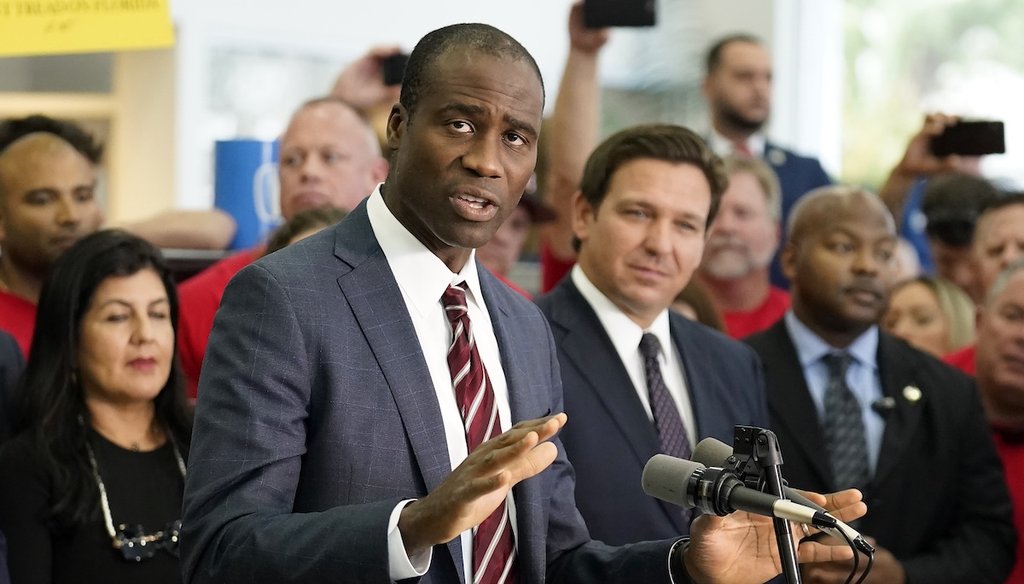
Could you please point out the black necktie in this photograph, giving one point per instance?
(844, 427)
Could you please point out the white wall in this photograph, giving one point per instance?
(331, 29)
(808, 59)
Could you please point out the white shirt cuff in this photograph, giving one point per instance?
(400, 564)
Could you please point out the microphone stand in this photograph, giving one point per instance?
(762, 447)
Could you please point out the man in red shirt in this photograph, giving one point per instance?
(47, 203)
(740, 247)
(329, 156)
(998, 242)
(1000, 378)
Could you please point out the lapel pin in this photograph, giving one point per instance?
(912, 394)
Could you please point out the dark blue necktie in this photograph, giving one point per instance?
(669, 423)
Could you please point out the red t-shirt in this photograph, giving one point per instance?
(18, 317)
(962, 359)
(552, 269)
(740, 324)
(1011, 452)
(198, 300)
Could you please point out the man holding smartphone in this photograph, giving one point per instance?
(904, 189)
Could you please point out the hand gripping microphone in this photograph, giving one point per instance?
(712, 452)
(717, 491)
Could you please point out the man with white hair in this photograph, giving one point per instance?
(1000, 378)
(740, 247)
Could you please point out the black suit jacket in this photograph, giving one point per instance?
(938, 500)
(609, 437)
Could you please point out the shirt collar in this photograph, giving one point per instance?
(420, 274)
(810, 348)
(624, 333)
(722, 146)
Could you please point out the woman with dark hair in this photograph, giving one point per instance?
(695, 304)
(91, 488)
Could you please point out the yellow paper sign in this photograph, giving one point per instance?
(47, 27)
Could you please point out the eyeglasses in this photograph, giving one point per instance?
(136, 545)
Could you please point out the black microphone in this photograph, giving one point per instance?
(717, 491)
(713, 452)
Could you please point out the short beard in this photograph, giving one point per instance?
(732, 269)
(734, 118)
(739, 265)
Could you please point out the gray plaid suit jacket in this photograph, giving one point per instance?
(317, 415)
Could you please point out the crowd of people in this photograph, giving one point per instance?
(371, 396)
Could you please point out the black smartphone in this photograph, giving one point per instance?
(970, 138)
(602, 13)
(393, 68)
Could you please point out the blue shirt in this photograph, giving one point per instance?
(913, 224)
(861, 376)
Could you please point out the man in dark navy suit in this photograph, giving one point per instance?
(738, 89)
(647, 196)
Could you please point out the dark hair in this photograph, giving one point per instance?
(666, 142)
(13, 130)
(304, 221)
(952, 203)
(696, 297)
(475, 37)
(1006, 199)
(56, 405)
(714, 56)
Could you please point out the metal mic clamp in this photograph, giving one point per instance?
(760, 447)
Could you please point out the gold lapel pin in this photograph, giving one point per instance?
(911, 393)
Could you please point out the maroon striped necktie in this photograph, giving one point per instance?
(494, 552)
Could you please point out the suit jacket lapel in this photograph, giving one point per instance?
(699, 379)
(790, 401)
(607, 378)
(896, 376)
(369, 285)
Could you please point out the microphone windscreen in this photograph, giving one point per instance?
(665, 478)
(711, 452)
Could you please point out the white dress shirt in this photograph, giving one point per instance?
(423, 277)
(723, 146)
(625, 335)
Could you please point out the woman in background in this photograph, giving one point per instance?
(931, 314)
(694, 303)
(91, 489)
